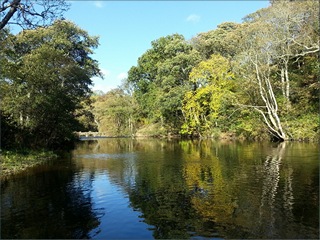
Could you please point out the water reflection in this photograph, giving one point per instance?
(124, 188)
(211, 189)
(52, 202)
(271, 173)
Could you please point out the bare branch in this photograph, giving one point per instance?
(31, 14)
(4, 6)
(10, 13)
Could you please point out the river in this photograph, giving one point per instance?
(150, 188)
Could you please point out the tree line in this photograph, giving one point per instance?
(256, 79)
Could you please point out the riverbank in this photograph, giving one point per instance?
(260, 133)
(13, 162)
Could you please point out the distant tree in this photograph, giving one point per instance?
(84, 115)
(273, 56)
(114, 113)
(30, 13)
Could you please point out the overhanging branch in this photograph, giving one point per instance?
(13, 8)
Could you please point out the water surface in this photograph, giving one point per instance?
(148, 188)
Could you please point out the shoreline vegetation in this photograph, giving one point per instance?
(17, 161)
(150, 132)
(13, 162)
(256, 80)
(240, 80)
(155, 130)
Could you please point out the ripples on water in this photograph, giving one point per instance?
(123, 188)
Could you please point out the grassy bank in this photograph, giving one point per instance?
(16, 161)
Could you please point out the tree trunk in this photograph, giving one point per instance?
(98, 125)
(270, 115)
(285, 82)
(8, 16)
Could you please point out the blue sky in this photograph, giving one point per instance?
(126, 28)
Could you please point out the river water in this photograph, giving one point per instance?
(149, 188)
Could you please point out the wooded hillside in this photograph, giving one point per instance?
(257, 79)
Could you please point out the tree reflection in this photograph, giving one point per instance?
(288, 198)
(215, 189)
(271, 173)
(160, 192)
(54, 203)
(210, 190)
(181, 188)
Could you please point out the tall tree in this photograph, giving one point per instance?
(292, 28)
(273, 39)
(255, 66)
(161, 79)
(217, 41)
(204, 106)
(45, 76)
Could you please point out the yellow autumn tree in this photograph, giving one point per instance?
(202, 107)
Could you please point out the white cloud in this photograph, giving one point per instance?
(122, 76)
(193, 18)
(98, 4)
(110, 81)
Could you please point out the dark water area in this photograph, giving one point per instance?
(149, 188)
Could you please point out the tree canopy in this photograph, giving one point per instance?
(271, 58)
(254, 79)
(161, 79)
(45, 75)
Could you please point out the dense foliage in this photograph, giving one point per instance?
(255, 79)
(114, 113)
(45, 77)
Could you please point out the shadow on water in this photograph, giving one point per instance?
(124, 188)
(51, 202)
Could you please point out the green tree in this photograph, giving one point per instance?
(217, 41)
(45, 77)
(161, 79)
(273, 39)
(85, 117)
(204, 106)
(273, 56)
(114, 113)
